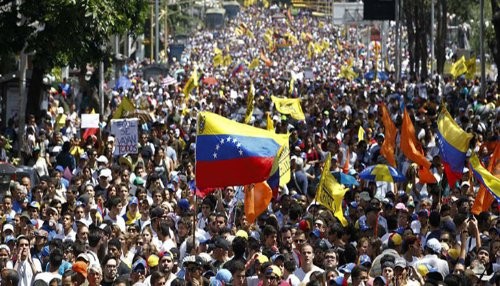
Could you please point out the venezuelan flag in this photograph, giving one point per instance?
(230, 153)
(453, 146)
(488, 180)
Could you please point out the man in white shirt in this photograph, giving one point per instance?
(432, 249)
(26, 266)
(68, 232)
(306, 263)
(115, 206)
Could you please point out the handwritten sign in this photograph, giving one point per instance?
(126, 134)
(90, 120)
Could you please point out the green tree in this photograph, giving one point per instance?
(65, 32)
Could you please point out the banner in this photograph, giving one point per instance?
(289, 106)
(126, 135)
(250, 105)
(330, 193)
(90, 120)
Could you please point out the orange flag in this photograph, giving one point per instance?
(266, 60)
(289, 16)
(257, 199)
(346, 167)
(484, 198)
(412, 149)
(389, 145)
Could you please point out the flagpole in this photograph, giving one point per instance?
(194, 218)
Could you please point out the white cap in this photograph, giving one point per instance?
(102, 159)
(105, 173)
(8, 226)
(434, 244)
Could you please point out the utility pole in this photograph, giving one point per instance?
(432, 37)
(166, 29)
(23, 65)
(157, 30)
(481, 48)
(151, 36)
(397, 66)
(101, 88)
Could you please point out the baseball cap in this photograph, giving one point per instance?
(105, 173)
(224, 275)
(10, 238)
(41, 233)
(102, 159)
(183, 204)
(139, 264)
(34, 204)
(242, 233)
(262, 259)
(277, 256)
(434, 245)
(346, 268)
(83, 257)
(273, 269)
(133, 200)
(59, 168)
(400, 262)
(80, 267)
(153, 260)
(401, 207)
(8, 226)
(365, 260)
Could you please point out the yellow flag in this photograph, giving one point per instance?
(459, 67)
(284, 159)
(310, 50)
(266, 3)
(321, 24)
(292, 84)
(227, 60)
(218, 60)
(347, 72)
(289, 106)
(254, 64)
(250, 105)
(239, 31)
(190, 85)
(340, 48)
(125, 106)
(325, 45)
(217, 51)
(330, 193)
(361, 133)
(471, 68)
(270, 124)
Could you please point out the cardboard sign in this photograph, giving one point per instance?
(90, 120)
(126, 135)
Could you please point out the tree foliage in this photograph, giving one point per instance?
(67, 32)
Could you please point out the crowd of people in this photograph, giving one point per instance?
(91, 216)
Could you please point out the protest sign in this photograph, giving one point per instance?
(90, 120)
(125, 132)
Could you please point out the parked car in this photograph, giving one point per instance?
(9, 172)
